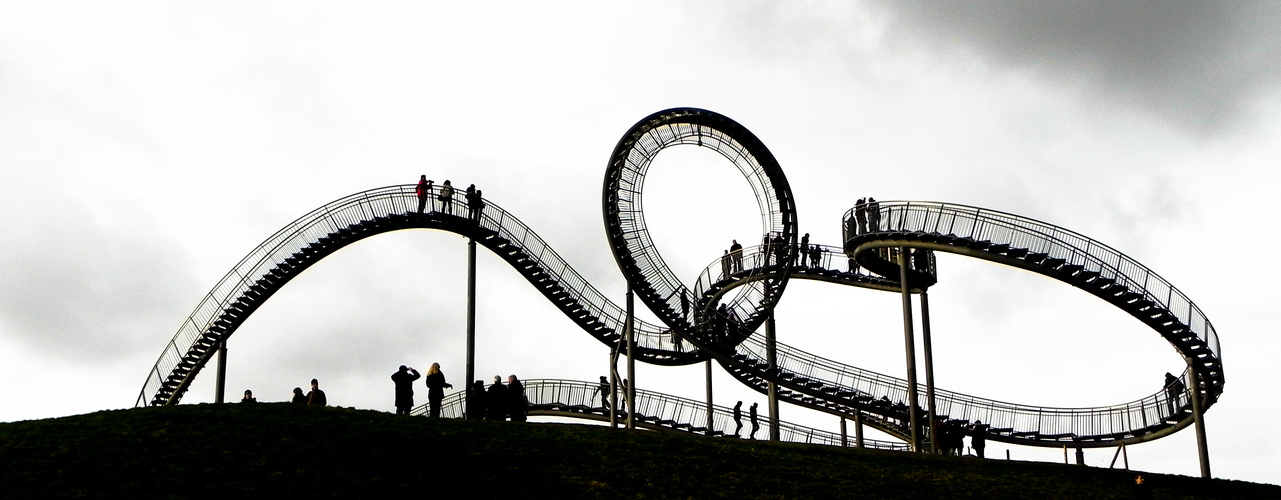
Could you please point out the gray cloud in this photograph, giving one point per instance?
(1200, 65)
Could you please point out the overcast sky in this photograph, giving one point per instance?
(146, 147)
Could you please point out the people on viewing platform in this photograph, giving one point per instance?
(475, 202)
(248, 397)
(436, 386)
(299, 397)
(736, 256)
(423, 191)
(476, 401)
(404, 379)
(495, 410)
(873, 214)
(446, 197)
(316, 397)
(860, 214)
(518, 405)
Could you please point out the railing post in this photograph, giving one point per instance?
(910, 348)
(471, 312)
(1194, 388)
(772, 355)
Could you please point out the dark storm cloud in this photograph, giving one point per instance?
(1203, 66)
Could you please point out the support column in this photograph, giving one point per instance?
(471, 312)
(910, 347)
(858, 428)
(220, 388)
(845, 441)
(631, 359)
(771, 349)
(613, 385)
(929, 369)
(1194, 391)
(710, 413)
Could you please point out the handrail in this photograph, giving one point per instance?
(578, 399)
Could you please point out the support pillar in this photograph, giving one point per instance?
(631, 359)
(471, 312)
(910, 347)
(220, 388)
(858, 429)
(1080, 456)
(845, 441)
(771, 349)
(929, 370)
(710, 414)
(613, 385)
(1194, 392)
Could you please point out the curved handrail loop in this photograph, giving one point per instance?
(646, 272)
(1055, 252)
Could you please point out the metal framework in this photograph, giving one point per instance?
(692, 331)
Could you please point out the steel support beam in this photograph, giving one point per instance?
(910, 348)
(220, 388)
(1194, 390)
(929, 369)
(771, 349)
(710, 413)
(471, 311)
(630, 330)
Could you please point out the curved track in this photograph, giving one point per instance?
(693, 330)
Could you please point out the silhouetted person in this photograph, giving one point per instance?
(800, 254)
(860, 214)
(736, 256)
(299, 397)
(624, 396)
(978, 439)
(603, 389)
(248, 397)
(684, 303)
(423, 191)
(494, 397)
(1173, 389)
(816, 255)
(476, 401)
(516, 398)
(873, 214)
(738, 418)
(404, 379)
(1141, 489)
(473, 202)
(751, 415)
(436, 386)
(316, 397)
(479, 207)
(446, 197)
(725, 265)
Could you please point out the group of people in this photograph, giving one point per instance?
(474, 197)
(604, 391)
(404, 379)
(949, 435)
(738, 419)
(867, 216)
(498, 402)
(315, 397)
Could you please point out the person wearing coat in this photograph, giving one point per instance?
(494, 408)
(436, 386)
(516, 395)
(404, 379)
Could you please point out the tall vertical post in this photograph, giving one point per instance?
(471, 312)
(910, 347)
(220, 388)
(845, 441)
(1194, 391)
(771, 350)
(613, 385)
(708, 369)
(858, 428)
(631, 359)
(929, 369)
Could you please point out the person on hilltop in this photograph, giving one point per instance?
(738, 417)
(248, 397)
(495, 410)
(436, 386)
(316, 397)
(299, 397)
(404, 379)
(516, 396)
(476, 401)
(751, 413)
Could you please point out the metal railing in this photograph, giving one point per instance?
(577, 399)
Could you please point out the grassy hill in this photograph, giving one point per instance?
(215, 451)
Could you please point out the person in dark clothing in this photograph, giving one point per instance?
(978, 439)
(516, 395)
(248, 397)
(751, 414)
(1173, 389)
(446, 197)
(436, 386)
(800, 254)
(404, 379)
(476, 401)
(816, 255)
(299, 397)
(423, 191)
(480, 205)
(495, 410)
(860, 214)
(873, 214)
(738, 417)
(316, 397)
(736, 256)
(473, 202)
(725, 264)
(603, 389)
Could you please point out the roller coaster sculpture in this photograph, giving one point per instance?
(718, 316)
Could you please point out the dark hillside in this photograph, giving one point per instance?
(217, 451)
